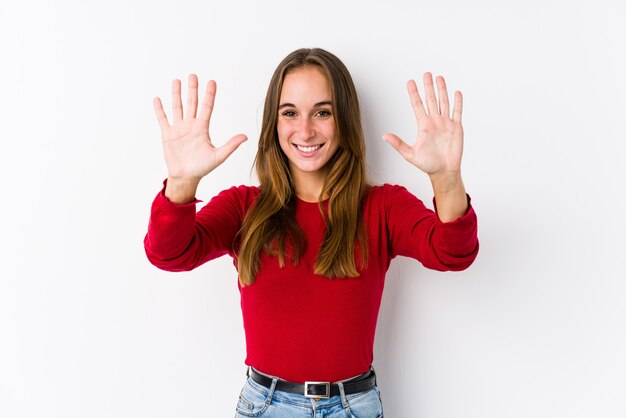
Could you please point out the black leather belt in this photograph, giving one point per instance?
(361, 383)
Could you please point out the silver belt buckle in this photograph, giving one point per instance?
(306, 390)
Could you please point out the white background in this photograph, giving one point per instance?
(535, 328)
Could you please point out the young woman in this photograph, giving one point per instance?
(313, 241)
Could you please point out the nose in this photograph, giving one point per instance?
(306, 130)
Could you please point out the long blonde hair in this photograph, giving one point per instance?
(270, 223)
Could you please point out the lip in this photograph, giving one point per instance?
(309, 153)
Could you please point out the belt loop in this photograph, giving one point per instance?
(342, 393)
(270, 395)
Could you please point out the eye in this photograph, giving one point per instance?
(289, 114)
(324, 113)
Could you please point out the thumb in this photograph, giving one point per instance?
(223, 152)
(398, 144)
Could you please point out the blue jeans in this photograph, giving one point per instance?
(256, 400)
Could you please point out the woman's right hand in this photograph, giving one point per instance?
(189, 152)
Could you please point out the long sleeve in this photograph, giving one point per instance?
(416, 231)
(179, 239)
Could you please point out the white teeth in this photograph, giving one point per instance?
(308, 149)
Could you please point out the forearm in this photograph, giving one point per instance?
(450, 196)
(171, 231)
(414, 231)
(181, 238)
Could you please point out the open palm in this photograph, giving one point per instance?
(187, 147)
(439, 145)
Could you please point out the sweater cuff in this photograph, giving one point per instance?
(458, 240)
(167, 211)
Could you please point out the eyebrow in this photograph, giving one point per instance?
(325, 103)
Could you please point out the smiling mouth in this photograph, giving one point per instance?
(310, 148)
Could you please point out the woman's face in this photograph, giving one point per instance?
(306, 125)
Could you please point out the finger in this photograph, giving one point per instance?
(443, 96)
(416, 100)
(177, 104)
(458, 107)
(209, 100)
(399, 145)
(223, 152)
(429, 91)
(192, 96)
(160, 114)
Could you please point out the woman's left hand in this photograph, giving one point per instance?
(439, 145)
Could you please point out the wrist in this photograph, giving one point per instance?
(450, 197)
(445, 183)
(181, 190)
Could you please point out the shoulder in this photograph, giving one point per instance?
(238, 198)
(388, 193)
(241, 192)
(393, 202)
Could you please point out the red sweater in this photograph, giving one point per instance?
(298, 325)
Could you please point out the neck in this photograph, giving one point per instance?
(308, 186)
